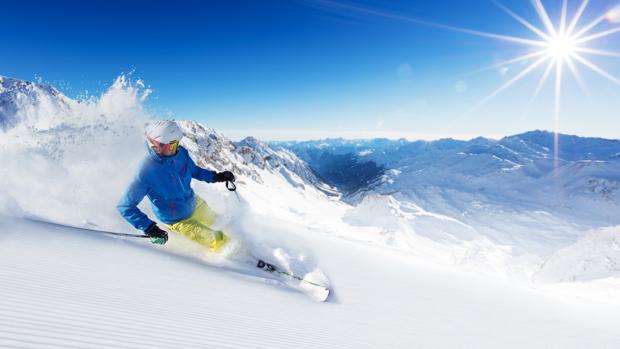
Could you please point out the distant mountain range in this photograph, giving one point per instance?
(529, 153)
(481, 164)
(509, 185)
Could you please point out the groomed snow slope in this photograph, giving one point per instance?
(70, 288)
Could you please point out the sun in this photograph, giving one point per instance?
(561, 47)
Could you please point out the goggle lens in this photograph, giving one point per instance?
(172, 146)
(159, 147)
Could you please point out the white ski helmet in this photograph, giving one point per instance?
(164, 131)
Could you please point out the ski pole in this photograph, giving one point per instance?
(43, 221)
(120, 234)
(113, 233)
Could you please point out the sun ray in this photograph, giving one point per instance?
(589, 26)
(596, 69)
(578, 78)
(416, 21)
(509, 83)
(544, 17)
(501, 37)
(597, 36)
(556, 116)
(541, 82)
(578, 14)
(510, 61)
(527, 24)
(597, 52)
(563, 18)
(539, 86)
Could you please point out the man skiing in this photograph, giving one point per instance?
(164, 177)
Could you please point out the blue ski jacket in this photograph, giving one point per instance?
(166, 182)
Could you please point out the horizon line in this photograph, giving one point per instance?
(284, 135)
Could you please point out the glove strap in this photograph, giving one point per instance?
(232, 186)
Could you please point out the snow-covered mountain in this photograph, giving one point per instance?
(26, 101)
(247, 157)
(594, 256)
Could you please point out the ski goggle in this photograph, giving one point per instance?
(159, 147)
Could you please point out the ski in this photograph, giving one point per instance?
(303, 284)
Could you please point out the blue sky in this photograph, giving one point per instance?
(300, 69)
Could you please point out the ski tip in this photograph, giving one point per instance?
(318, 293)
(316, 286)
(323, 295)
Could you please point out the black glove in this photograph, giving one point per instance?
(157, 235)
(225, 176)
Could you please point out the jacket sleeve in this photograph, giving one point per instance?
(200, 173)
(128, 205)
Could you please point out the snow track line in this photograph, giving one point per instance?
(73, 294)
(249, 273)
(88, 320)
(152, 326)
(105, 326)
(60, 309)
(38, 344)
(44, 294)
(176, 342)
(65, 339)
(81, 329)
(51, 290)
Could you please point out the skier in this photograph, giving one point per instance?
(164, 177)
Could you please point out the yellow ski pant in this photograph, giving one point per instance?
(197, 227)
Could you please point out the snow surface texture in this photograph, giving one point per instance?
(404, 275)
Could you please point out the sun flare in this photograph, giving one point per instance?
(561, 47)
